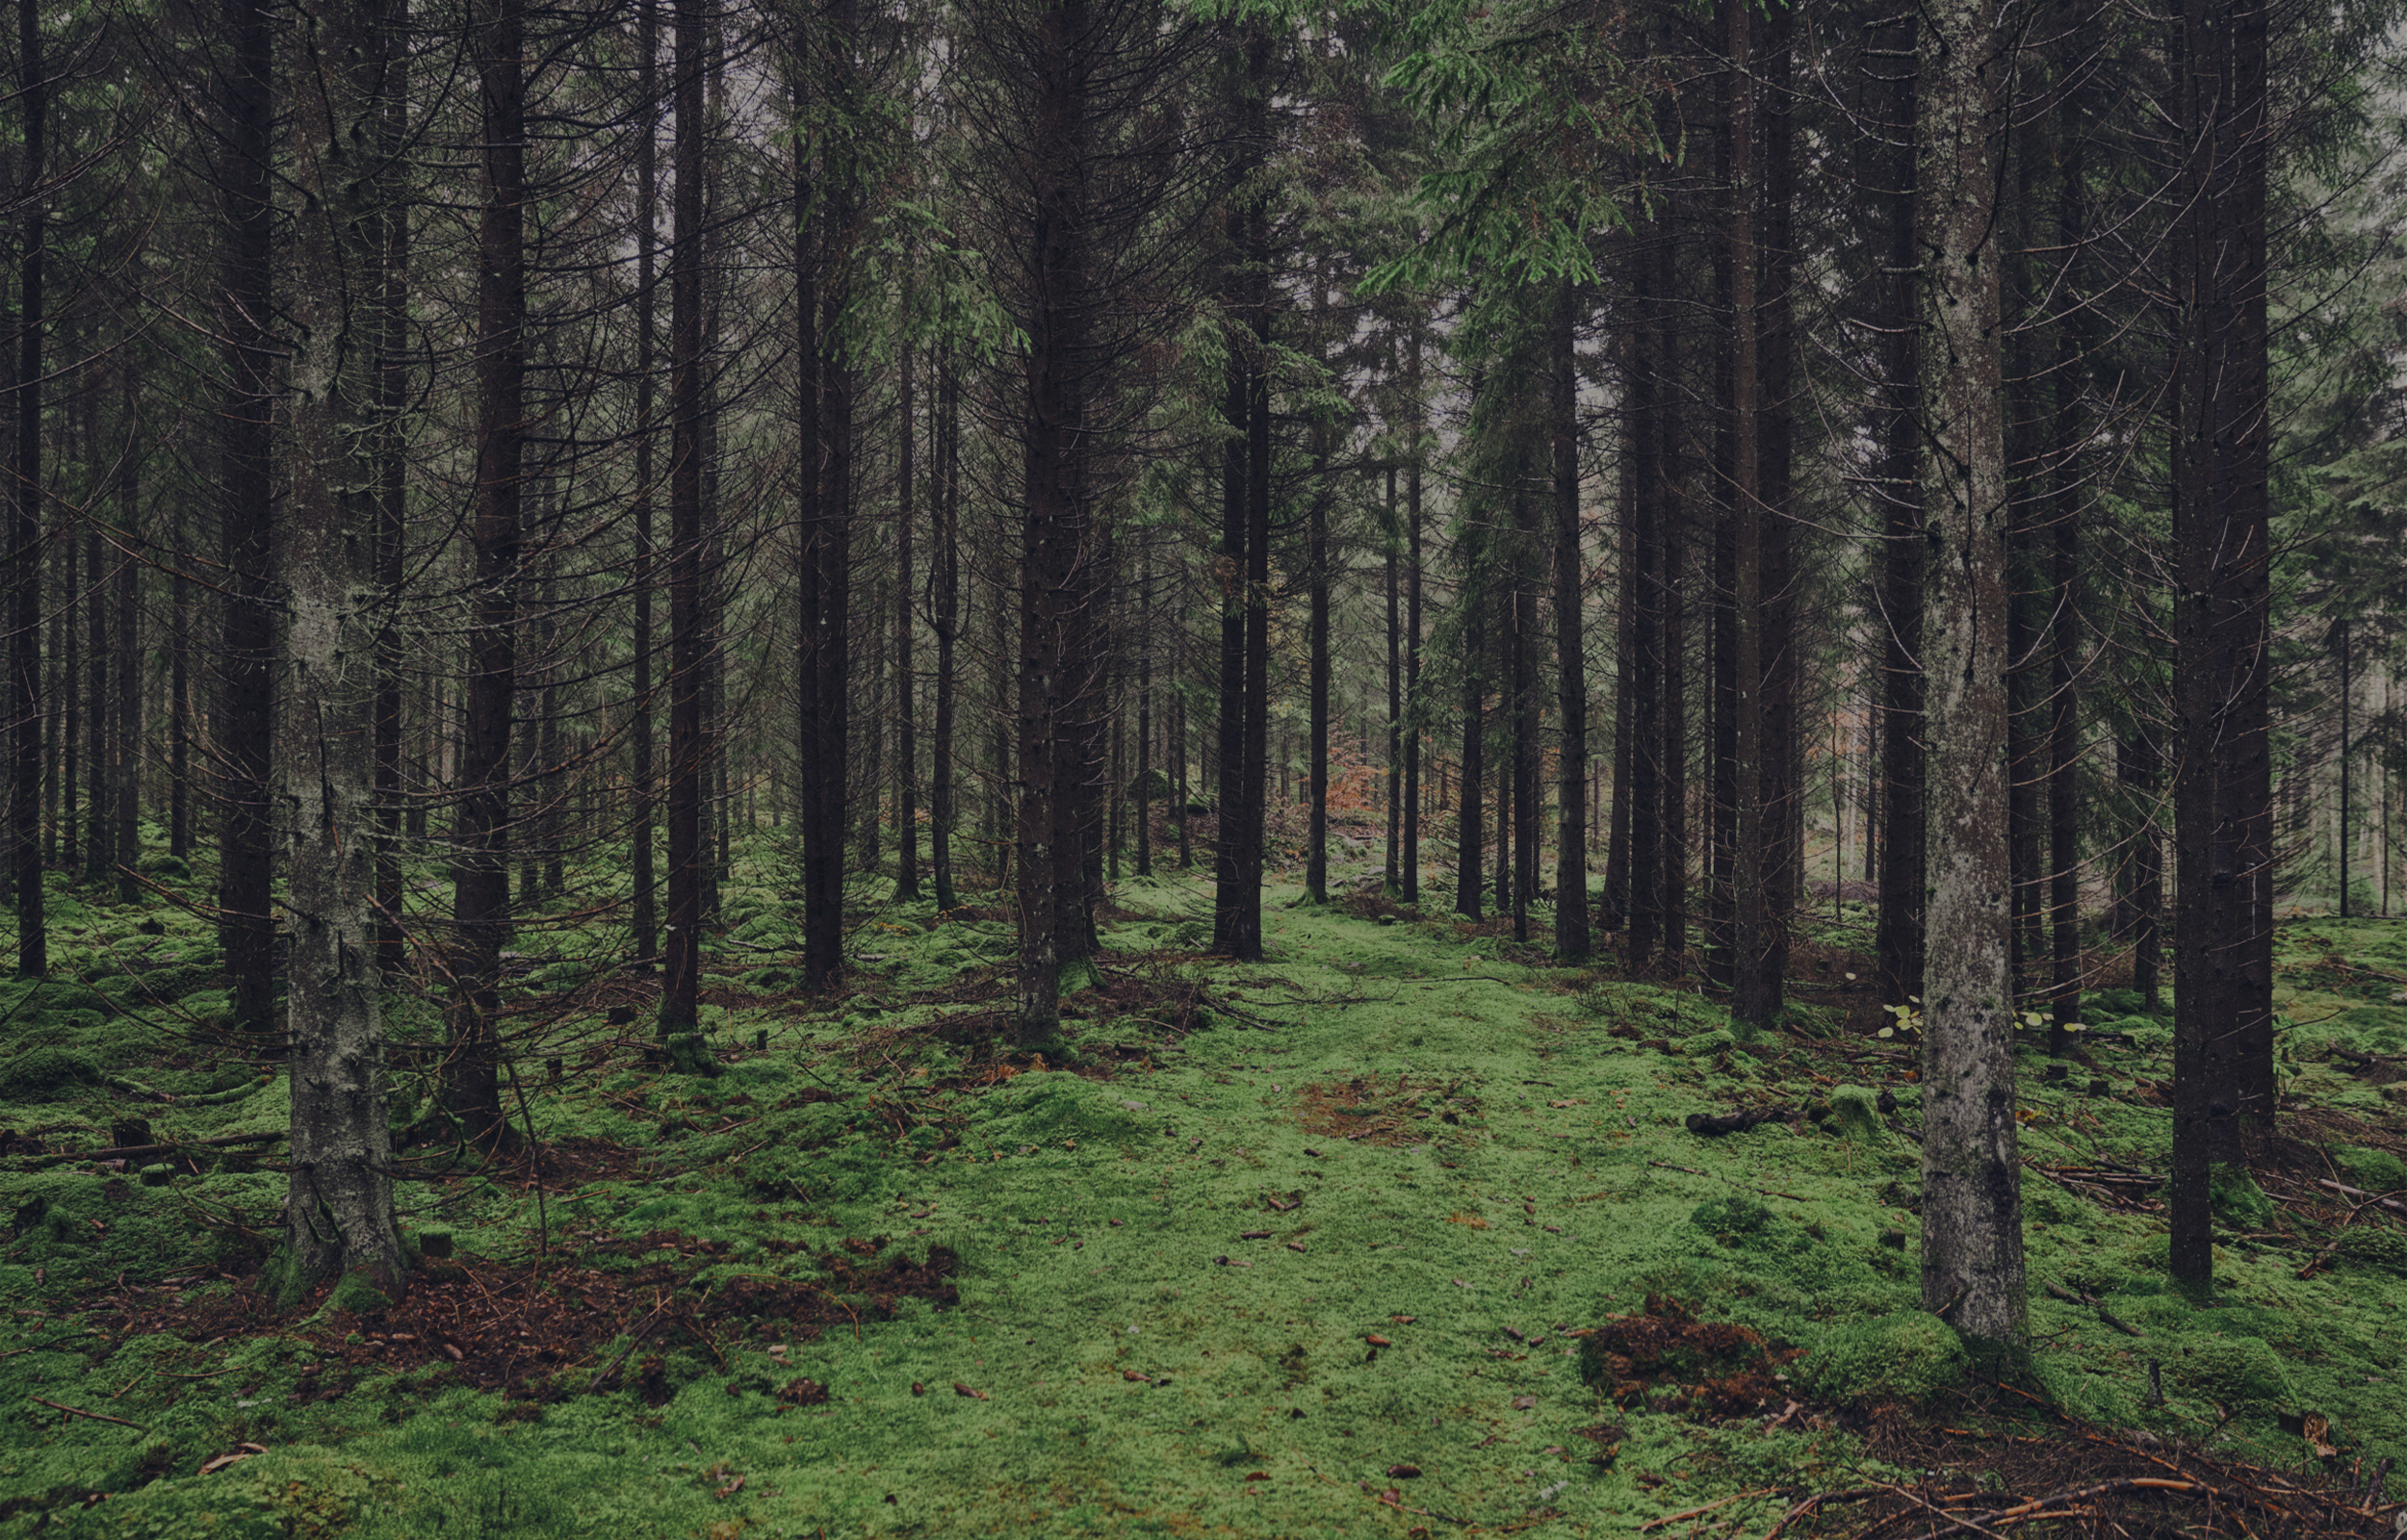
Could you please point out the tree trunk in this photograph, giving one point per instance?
(1972, 1270)
(1898, 938)
(944, 619)
(338, 1208)
(2223, 817)
(1316, 636)
(2071, 434)
(644, 917)
(1572, 936)
(126, 775)
(1055, 579)
(1471, 837)
(906, 741)
(243, 727)
(826, 518)
(392, 470)
(1780, 877)
(689, 679)
(480, 870)
(1414, 704)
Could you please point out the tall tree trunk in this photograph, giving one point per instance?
(644, 918)
(392, 469)
(243, 727)
(338, 1208)
(99, 855)
(1647, 475)
(945, 620)
(906, 739)
(128, 733)
(1316, 633)
(2223, 819)
(1780, 790)
(480, 898)
(2070, 433)
(1395, 691)
(826, 396)
(1898, 940)
(1256, 765)
(1471, 837)
(1571, 936)
(1414, 704)
(689, 644)
(69, 701)
(1756, 826)
(1232, 932)
(1055, 580)
(1145, 721)
(1972, 1270)
(179, 689)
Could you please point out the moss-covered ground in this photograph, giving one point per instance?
(1313, 1252)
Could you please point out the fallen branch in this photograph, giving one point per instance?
(1675, 1518)
(129, 1152)
(78, 1411)
(2388, 1200)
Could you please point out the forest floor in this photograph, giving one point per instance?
(1400, 1232)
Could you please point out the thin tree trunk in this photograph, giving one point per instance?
(644, 916)
(1471, 837)
(1972, 1270)
(1572, 935)
(480, 872)
(128, 733)
(1413, 705)
(945, 621)
(1898, 938)
(906, 740)
(243, 724)
(688, 680)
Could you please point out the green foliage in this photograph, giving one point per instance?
(1908, 1357)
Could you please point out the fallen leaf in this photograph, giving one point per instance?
(731, 1488)
(1254, 1235)
(1132, 1375)
(1522, 1403)
(240, 1453)
(1378, 1341)
(1258, 1476)
(1295, 1246)
(1404, 1472)
(960, 1389)
(1471, 1220)
(1404, 1320)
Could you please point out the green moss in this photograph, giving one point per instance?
(1906, 1357)
(38, 1074)
(2241, 1371)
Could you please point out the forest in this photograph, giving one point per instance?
(1227, 767)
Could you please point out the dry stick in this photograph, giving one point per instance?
(94, 1416)
(1815, 1501)
(125, 1151)
(1675, 1518)
(1955, 1523)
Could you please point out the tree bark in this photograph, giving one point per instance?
(480, 870)
(644, 917)
(688, 643)
(2223, 817)
(1413, 705)
(338, 1209)
(1898, 938)
(1972, 1270)
(392, 469)
(906, 708)
(243, 726)
(1572, 935)
(945, 620)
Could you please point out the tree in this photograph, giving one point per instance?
(1971, 1268)
(480, 898)
(338, 1208)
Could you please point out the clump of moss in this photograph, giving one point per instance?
(42, 1073)
(2377, 1170)
(1855, 1112)
(1904, 1357)
(2375, 1246)
(2235, 1371)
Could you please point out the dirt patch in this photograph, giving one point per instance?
(1369, 1109)
(515, 1326)
(1667, 1360)
(2082, 1481)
